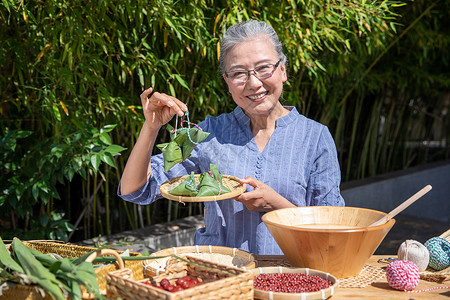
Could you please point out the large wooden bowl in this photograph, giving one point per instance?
(327, 238)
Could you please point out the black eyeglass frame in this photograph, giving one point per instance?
(275, 66)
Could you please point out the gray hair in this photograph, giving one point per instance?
(238, 33)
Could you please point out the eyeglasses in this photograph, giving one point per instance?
(261, 72)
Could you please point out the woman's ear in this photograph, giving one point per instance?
(225, 78)
(283, 73)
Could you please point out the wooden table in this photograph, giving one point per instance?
(377, 290)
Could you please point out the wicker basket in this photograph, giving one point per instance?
(66, 250)
(232, 183)
(437, 276)
(322, 294)
(216, 254)
(220, 282)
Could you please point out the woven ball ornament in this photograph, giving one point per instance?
(403, 275)
(416, 252)
(439, 249)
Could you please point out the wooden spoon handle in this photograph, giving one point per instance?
(402, 206)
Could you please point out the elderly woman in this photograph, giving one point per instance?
(285, 159)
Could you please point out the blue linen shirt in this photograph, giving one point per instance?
(299, 162)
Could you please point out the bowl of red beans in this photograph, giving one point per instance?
(332, 239)
(293, 283)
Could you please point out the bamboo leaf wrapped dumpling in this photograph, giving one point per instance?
(171, 154)
(211, 183)
(186, 188)
(194, 137)
(183, 141)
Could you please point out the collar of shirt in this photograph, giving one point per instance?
(244, 120)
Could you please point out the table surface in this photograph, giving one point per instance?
(379, 289)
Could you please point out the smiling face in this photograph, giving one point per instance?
(257, 97)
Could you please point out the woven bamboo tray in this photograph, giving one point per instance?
(71, 251)
(220, 282)
(216, 254)
(236, 188)
(437, 276)
(322, 294)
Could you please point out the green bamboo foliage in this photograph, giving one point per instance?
(375, 72)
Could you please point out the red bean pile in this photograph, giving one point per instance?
(181, 284)
(290, 283)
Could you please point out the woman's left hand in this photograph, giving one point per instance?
(263, 198)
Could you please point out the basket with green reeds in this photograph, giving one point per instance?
(51, 270)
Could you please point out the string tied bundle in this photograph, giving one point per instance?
(416, 252)
(439, 249)
(189, 123)
(403, 275)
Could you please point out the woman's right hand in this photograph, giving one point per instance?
(160, 108)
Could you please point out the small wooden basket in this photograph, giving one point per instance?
(217, 254)
(30, 292)
(232, 183)
(437, 276)
(220, 282)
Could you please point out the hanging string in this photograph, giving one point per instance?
(176, 126)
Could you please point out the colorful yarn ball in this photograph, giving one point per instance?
(439, 249)
(416, 252)
(403, 275)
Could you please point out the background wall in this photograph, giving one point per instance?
(386, 192)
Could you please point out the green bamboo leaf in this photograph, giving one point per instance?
(141, 77)
(5, 3)
(56, 112)
(122, 48)
(35, 270)
(398, 4)
(172, 90)
(153, 80)
(320, 66)
(146, 45)
(181, 81)
(6, 261)
(55, 267)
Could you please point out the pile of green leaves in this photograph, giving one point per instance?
(60, 278)
(210, 184)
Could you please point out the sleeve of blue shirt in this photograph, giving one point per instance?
(325, 177)
(150, 192)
